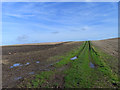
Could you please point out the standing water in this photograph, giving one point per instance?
(92, 65)
(74, 58)
(37, 61)
(16, 65)
(17, 78)
(27, 63)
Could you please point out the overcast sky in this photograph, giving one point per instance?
(28, 22)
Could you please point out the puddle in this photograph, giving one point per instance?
(16, 65)
(74, 58)
(92, 65)
(11, 66)
(17, 78)
(27, 63)
(31, 72)
(37, 61)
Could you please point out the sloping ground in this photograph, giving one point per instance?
(63, 65)
(86, 67)
(109, 45)
(20, 61)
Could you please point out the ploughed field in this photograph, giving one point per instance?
(61, 65)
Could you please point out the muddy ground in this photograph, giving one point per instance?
(37, 57)
(90, 69)
(32, 58)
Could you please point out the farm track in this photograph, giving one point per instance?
(89, 70)
(86, 71)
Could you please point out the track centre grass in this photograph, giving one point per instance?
(80, 74)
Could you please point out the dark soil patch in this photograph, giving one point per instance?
(30, 53)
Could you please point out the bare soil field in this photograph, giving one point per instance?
(30, 58)
(109, 45)
(38, 65)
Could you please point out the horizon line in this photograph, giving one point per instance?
(59, 42)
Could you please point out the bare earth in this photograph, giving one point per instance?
(110, 46)
(36, 56)
(32, 53)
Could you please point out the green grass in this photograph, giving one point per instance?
(80, 74)
(66, 59)
(105, 67)
(40, 79)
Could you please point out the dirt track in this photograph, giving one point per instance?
(30, 54)
(41, 53)
(90, 69)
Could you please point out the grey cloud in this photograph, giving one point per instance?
(22, 38)
(55, 32)
(83, 29)
(74, 30)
